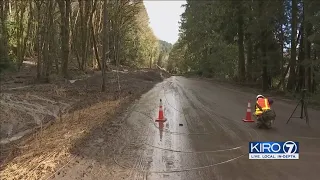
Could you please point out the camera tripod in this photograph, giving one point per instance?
(304, 108)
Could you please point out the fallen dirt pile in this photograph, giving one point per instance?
(40, 122)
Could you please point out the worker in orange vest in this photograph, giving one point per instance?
(262, 105)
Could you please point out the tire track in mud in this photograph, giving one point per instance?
(184, 115)
(214, 115)
(193, 152)
(175, 133)
(139, 168)
(203, 109)
(142, 170)
(218, 116)
(187, 115)
(240, 125)
(189, 103)
(139, 162)
(28, 109)
(181, 169)
(284, 136)
(151, 120)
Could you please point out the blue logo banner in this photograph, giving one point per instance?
(288, 147)
(274, 150)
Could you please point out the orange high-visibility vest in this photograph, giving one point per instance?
(264, 104)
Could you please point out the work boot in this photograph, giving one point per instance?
(259, 125)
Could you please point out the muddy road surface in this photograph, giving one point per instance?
(203, 138)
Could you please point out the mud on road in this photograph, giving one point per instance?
(203, 138)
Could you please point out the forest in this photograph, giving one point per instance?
(63, 35)
(67, 66)
(250, 42)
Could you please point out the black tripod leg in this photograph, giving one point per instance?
(306, 114)
(302, 109)
(293, 112)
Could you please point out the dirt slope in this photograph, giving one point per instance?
(41, 122)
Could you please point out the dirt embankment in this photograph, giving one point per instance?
(40, 123)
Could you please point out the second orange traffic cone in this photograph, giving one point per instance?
(161, 114)
(248, 114)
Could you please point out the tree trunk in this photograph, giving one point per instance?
(112, 40)
(314, 84)
(292, 73)
(94, 41)
(105, 43)
(263, 47)
(96, 49)
(75, 34)
(50, 40)
(282, 60)
(88, 15)
(250, 49)
(116, 35)
(249, 58)
(39, 63)
(46, 42)
(116, 50)
(82, 29)
(283, 78)
(4, 31)
(117, 57)
(265, 78)
(241, 62)
(30, 19)
(65, 10)
(309, 67)
(20, 31)
(83, 7)
(301, 58)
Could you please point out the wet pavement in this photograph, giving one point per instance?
(203, 138)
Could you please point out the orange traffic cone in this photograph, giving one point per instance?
(161, 114)
(248, 115)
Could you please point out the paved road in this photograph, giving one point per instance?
(203, 138)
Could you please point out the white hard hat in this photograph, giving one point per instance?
(260, 96)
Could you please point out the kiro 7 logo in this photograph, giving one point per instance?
(274, 150)
(290, 147)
